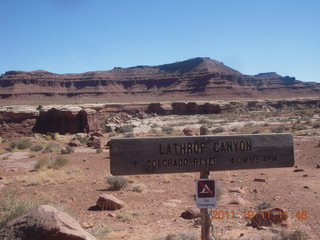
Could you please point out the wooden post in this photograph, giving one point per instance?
(205, 218)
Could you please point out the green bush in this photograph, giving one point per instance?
(83, 140)
(218, 130)
(167, 130)
(36, 148)
(52, 147)
(69, 149)
(117, 182)
(20, 144)
(50, 163)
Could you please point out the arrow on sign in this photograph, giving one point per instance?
(135, 163)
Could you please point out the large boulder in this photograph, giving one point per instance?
(109, 202)
(44, 222)
(74, 142)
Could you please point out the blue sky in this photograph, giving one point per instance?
(70, 36)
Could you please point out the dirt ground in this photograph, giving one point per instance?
(155, 212)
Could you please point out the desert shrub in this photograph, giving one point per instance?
(155, 125)
(125, 128)
(263, 206)
(218, 130)
(69, 149)
(49, 163)
(249, 124)
(101, 231)
(255, 132)
(40, 107)
(179, 236)
(138, 187)
(20, 144)
(36, 148)
(98, 150)
(2, 140)
(124, 217)
(48, 137)
(112, 134)
(279, 129)
(206, 122)
(52, 147)
(167, 130)
(234, 129)
(12, 207)
(83, 140)
(117, 182)
(129, 135)
(295, 235)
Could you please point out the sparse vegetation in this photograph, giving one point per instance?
(179, 236)
(129, 135)
(167, 130)
(218, 130)
(12, 207)
(125, 129)
(69, 149)
(279, 129)
(52, 147)
(288, 235)
(99, 150)
(101, 231)
(36, 148)
(209, 124)
(20, 144)
(155, 125)
(124, 217)
(49, 163)
(117, 182)
(40, 107)
(82, 139)
(263, 206)
(138, 187)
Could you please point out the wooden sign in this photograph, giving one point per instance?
(131, 156)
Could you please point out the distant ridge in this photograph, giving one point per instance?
(193, 78)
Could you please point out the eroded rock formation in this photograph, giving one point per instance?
(196, 78)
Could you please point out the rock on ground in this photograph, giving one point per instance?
(191, 213)
(109, 202)
(44, 222)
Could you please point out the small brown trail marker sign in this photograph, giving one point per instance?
(131, 156)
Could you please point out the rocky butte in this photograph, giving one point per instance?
(197, 78)
(194, 86)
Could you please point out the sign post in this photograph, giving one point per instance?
(132, 156)
(205, 218)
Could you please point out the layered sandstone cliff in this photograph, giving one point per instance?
(196, 78)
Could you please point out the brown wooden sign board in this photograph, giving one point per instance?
(131, 156)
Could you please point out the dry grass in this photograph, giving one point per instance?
(101, 231)
(50, 163)
(11, 207)
(138, 187)
(48, 177)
